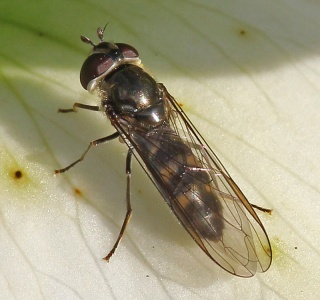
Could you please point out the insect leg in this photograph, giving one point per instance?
(91, 144)
(129, 209)
(266, 210)
(79, 105)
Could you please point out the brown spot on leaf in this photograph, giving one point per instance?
(18, 174)
(77, 192)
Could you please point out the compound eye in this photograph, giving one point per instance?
(127, 50)
(95, 65)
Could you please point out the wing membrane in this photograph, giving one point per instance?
(200, 192)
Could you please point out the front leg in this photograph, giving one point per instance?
(79, 105)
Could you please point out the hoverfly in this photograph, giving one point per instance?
(182, 166)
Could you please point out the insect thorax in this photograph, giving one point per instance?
(135, 96)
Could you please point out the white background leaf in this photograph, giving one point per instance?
(247, 74)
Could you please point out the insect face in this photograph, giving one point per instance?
(104, 59)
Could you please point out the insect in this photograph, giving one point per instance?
(182, 166)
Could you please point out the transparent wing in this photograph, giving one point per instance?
(200, 192)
